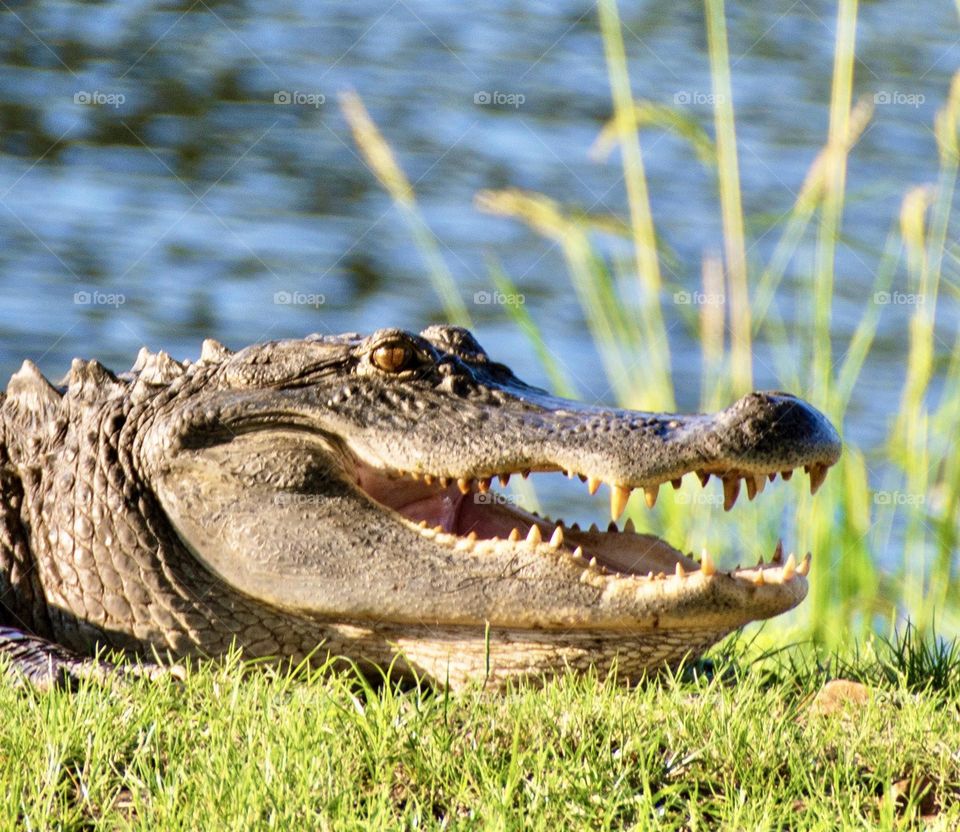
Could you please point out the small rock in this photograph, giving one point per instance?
(838, 694)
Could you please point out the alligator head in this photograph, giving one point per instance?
(337, 490)
(347, 480)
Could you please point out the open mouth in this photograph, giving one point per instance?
(467, 513)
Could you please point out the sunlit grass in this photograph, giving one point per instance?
(735, 746)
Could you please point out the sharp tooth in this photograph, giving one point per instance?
(679, 571)
(803, 568)
(414, 475)
(786, 474)
(612, 527)
(483, 485)
(778, 553)
(575, 527)
(707, 566)
(578, 553)
(704, 477)
(556, 539)
(464, 485)
(525, 474)
(504, 479)
(582, 477)
(571, 474)
(472, 536)
(514, 535)
(751, 487)
(772, 476)
(618, 500)
(428, 479)
(444, 482)
(731, 490)
(593, 483)
(650, 493)
(760, 481)
(629, 527)
(593, 562)
(676, 483)
(533, 536)
(818, 473)
(594, 529)
(438, 529)
(757, 577)
(422, 524)
(789, 568)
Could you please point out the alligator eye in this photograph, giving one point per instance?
(392, 358)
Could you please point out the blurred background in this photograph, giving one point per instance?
(176, 171)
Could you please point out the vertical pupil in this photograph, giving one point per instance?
(391, 358)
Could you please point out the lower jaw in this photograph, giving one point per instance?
(496, 656)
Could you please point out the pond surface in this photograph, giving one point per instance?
(169, 171)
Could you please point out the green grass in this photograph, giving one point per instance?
(736, 748)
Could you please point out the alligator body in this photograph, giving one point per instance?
(334, 492)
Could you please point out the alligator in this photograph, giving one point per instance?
(328, 499)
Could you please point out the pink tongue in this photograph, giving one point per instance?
(437, 510)
(461, 514)
(489, 516)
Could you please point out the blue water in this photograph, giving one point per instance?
(145, 166)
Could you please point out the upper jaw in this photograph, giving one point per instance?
(749, 443)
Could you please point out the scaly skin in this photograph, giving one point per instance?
(333, 492)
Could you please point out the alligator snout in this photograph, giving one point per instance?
(764, 430)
